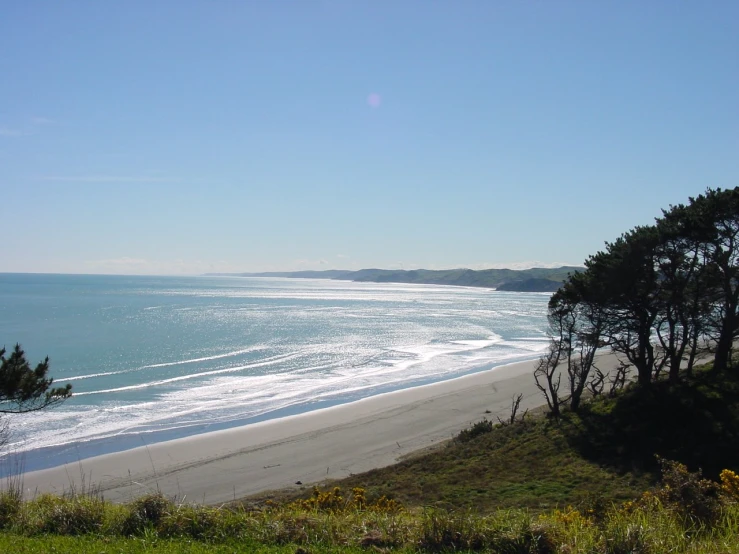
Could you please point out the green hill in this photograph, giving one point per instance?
(528, 280)
(608, 452)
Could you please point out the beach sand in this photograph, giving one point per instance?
(324, 444)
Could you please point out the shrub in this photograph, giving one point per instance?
(10, 506)
(197, 522)
(146, 512)
(688, 493)
(332, 501)
(479, 428)
(66, 516)
(442, 530)
(730, 485)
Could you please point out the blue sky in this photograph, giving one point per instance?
(184, 137)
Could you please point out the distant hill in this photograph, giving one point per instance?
(531, 285)
(523, 280)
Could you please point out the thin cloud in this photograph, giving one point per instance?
(129, 265)
(8, 132)
(38, 120)
(27, 129)
(106, 179)
(118, 262)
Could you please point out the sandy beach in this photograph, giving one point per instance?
(325, 444)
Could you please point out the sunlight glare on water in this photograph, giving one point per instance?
(159, 357)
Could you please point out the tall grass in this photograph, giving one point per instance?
(647, 526)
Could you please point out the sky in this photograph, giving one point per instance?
(182, 137)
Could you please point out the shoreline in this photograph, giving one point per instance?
(310, 447)
(50, 457)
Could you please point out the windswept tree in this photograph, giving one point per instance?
(659, 296)
(712, 221)
(26, 389)
(628, 281)
(684, 297)
(581, 299)
(576, 326)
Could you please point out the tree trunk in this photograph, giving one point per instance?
(722, 359)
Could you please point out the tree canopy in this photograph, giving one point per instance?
(659, 296)
(26, 389)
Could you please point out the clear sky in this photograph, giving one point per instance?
(185, 137)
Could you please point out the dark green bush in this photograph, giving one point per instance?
(147, 512)
(10, 506)
(688, 493)
(67, 516)
(479, 428)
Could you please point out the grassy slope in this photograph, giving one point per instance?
(460, 277)
(88, 544)
(542, 279)
(530, 465)
(608, 451)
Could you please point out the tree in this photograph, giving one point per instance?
(629, 284)
(712, 219)
(25, 389)
(685, 295)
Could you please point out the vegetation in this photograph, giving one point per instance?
(660, 297)
(687, 513)
(531, 485)
(25, 389)
(623, 466)
(530, 280)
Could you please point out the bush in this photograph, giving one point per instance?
(66, 516)
(146, 512)
(479, 428)
(332, 501)
(10, 506)
(688, 493)
(197, 522)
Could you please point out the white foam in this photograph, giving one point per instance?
(398, 337)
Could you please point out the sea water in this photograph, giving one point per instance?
(155, 358)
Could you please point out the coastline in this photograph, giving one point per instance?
(327, 443)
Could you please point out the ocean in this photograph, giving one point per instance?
(156, 358)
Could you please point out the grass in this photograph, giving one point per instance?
(533, 465)
(653, 524)
(605, 453)
(122, 545)
(695, 421)
(507, 489)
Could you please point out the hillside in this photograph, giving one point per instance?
(607, 452)
(527, 280)
(536, 486)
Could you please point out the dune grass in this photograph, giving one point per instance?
(334, 522)
(496, 488)
(607, 453)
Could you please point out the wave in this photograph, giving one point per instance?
(279, 350)
(169, 364)
(266, 362)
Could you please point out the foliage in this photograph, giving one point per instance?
(659, 296)
(532, 464)
(730, 485)
(76, 515)
(23, 389)
(688, 493)
(146, 512)
(694, 421)
(11, 501)
(477, 429)
(333, 501)
(648, 525)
